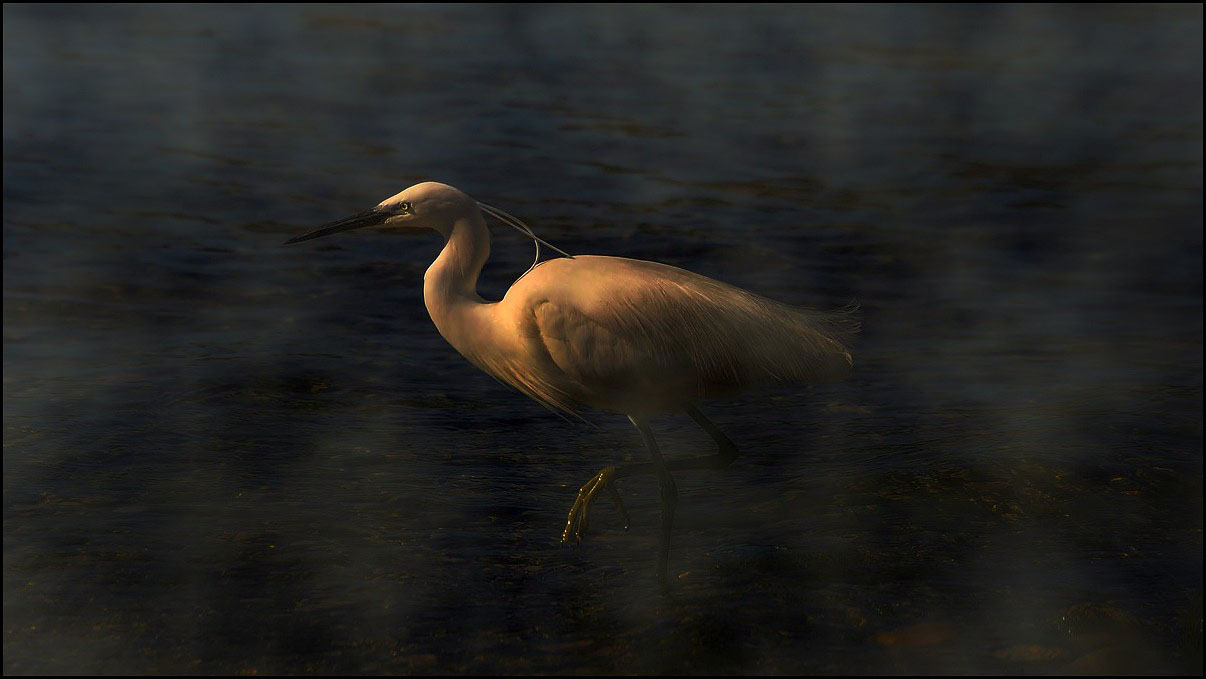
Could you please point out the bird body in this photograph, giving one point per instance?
(631, 336)
(636, 337)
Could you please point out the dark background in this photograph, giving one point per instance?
(222, 455)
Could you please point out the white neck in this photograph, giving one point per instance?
(450, 284)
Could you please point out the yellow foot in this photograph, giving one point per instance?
(579, 514)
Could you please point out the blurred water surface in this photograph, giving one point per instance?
(222, 455)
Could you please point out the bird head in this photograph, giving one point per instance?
(427, 205)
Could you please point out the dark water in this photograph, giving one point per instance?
(222, 455)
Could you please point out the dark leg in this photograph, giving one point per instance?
(576, 525)
(726, 453)
(669, 499)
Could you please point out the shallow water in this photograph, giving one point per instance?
(227, 456)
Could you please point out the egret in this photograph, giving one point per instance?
(635, 337)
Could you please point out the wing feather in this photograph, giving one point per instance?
(657, 337)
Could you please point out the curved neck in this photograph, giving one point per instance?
(450, 285)
(453, 275)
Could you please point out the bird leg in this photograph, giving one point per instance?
(579, 515)
(725, 454)
(669, 499)
(577, 523)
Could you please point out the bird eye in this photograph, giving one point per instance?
(406, 208)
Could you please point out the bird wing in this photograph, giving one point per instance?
(635, 334)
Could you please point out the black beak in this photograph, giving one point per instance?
(358, 221)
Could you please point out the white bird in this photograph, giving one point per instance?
(631, 336)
